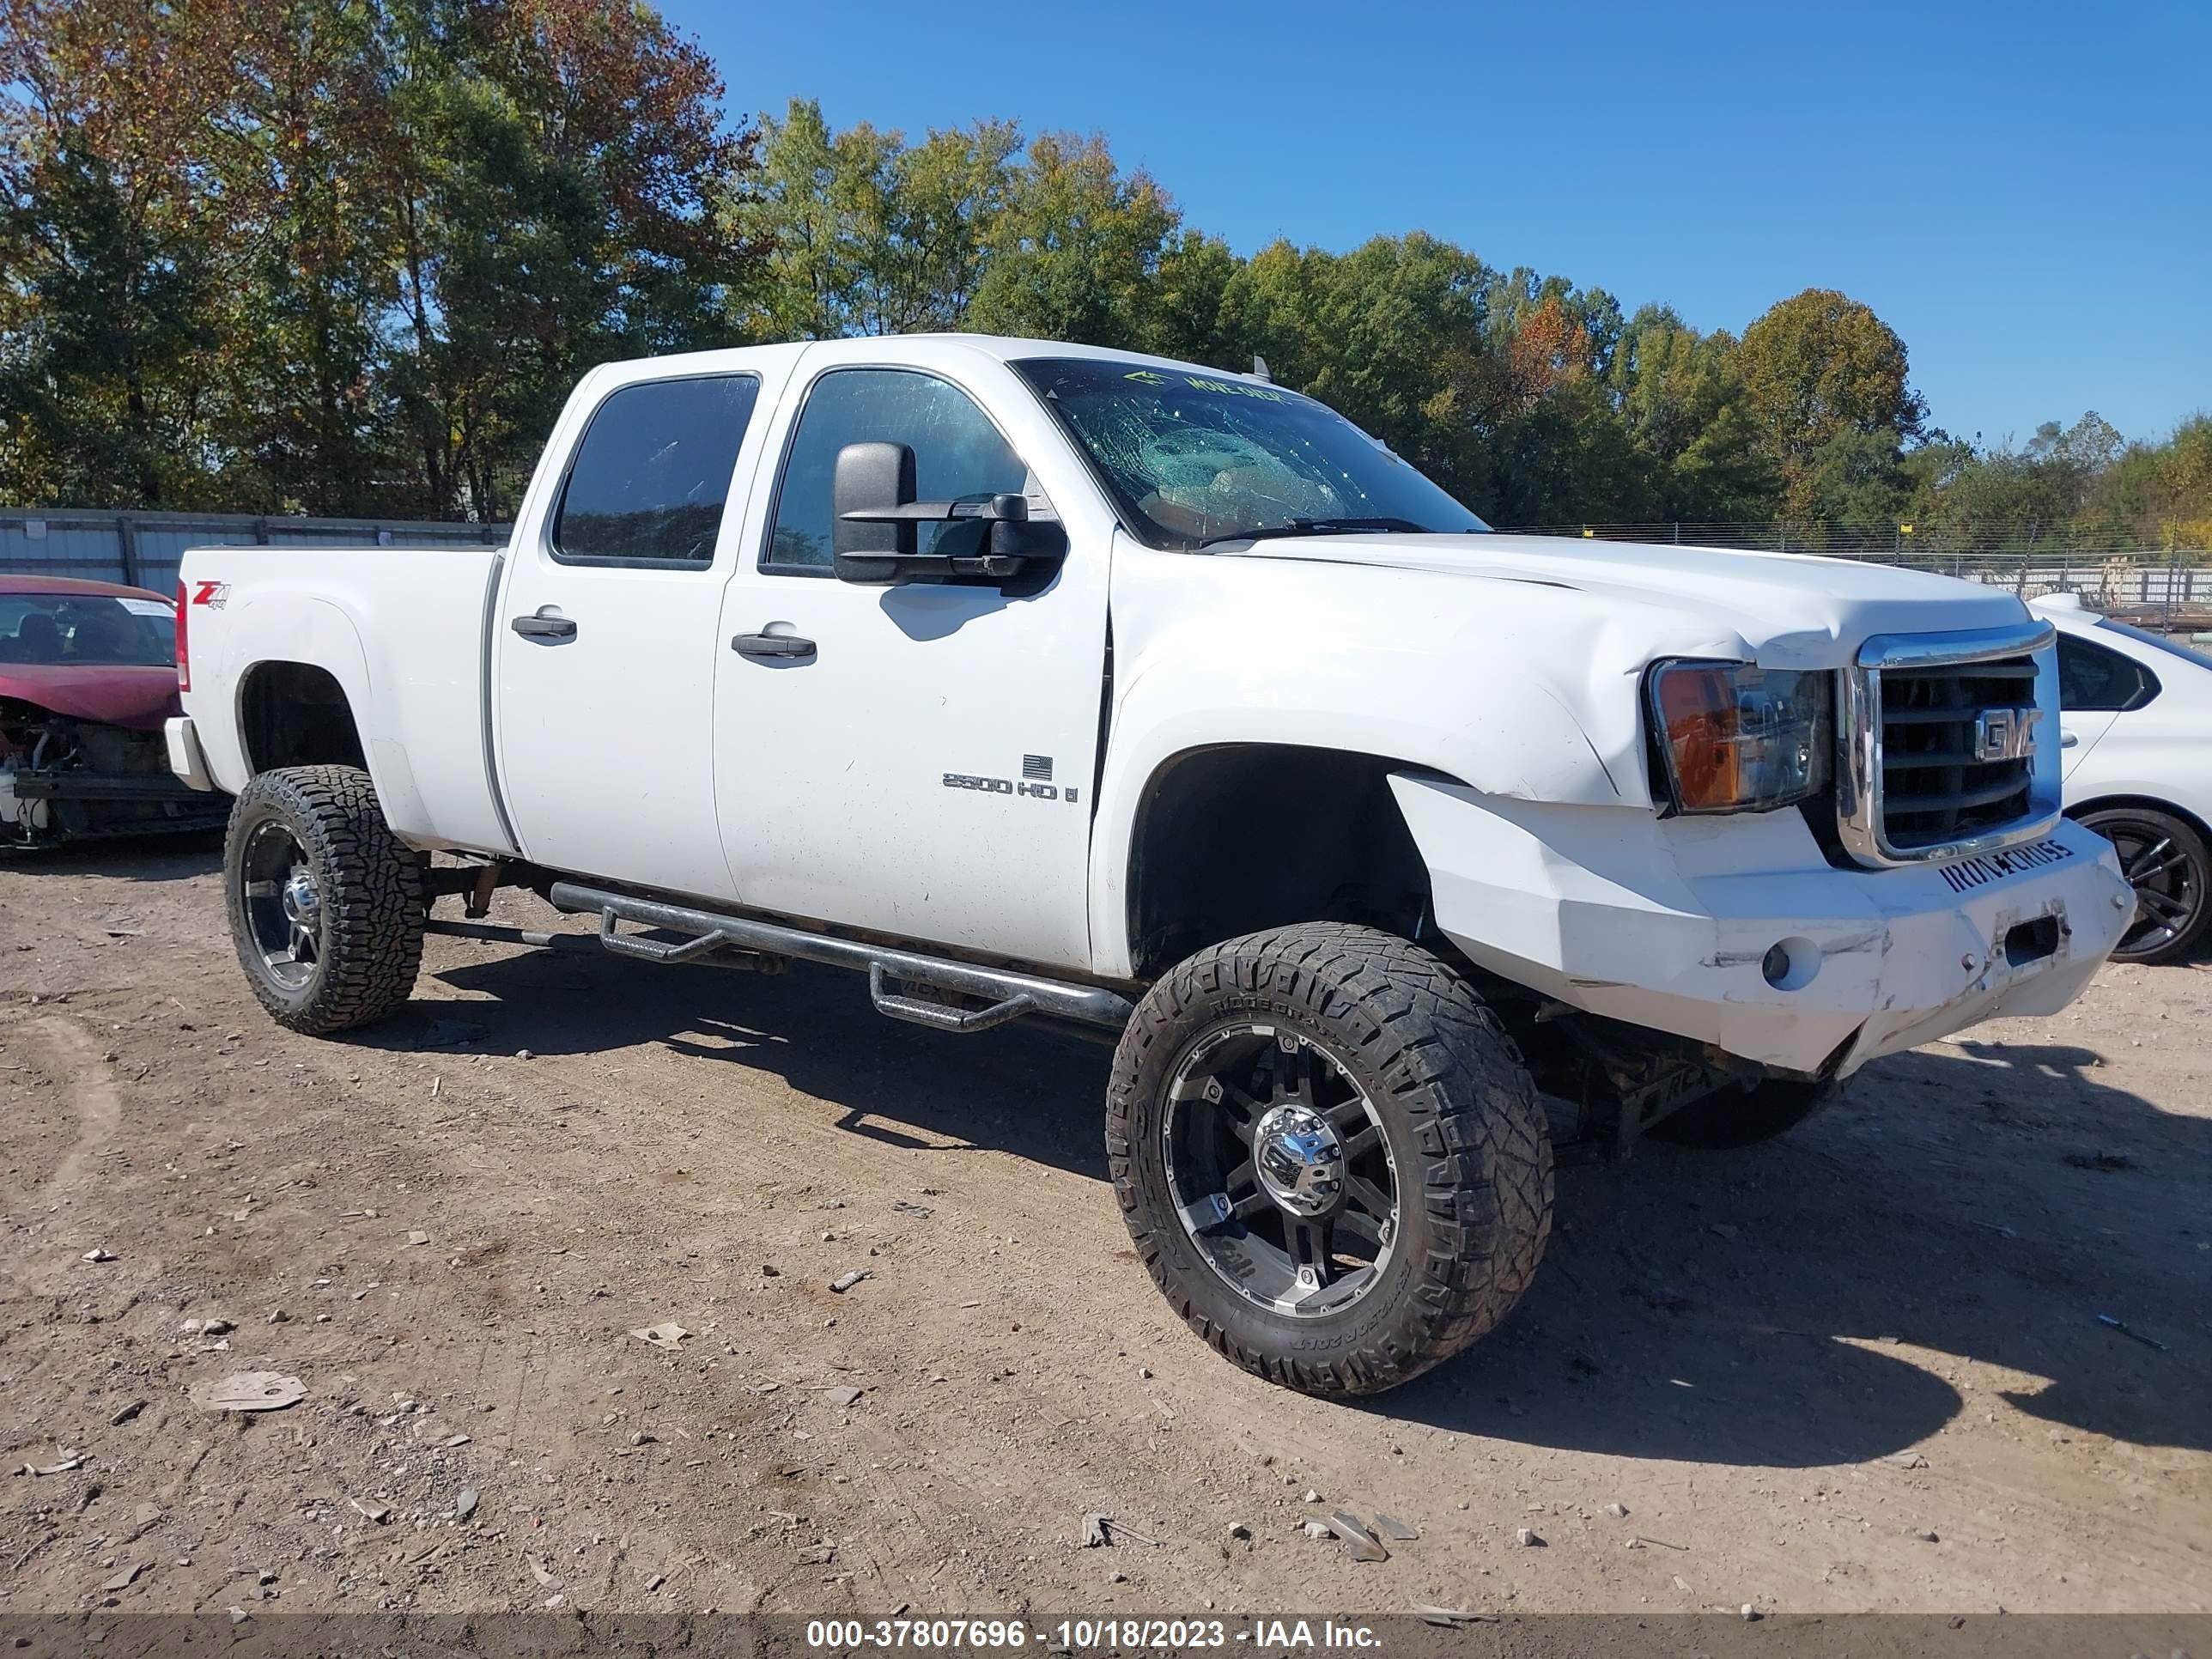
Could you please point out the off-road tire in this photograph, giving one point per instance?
(372, 897)
(1735, 1117)
(1469, 1141)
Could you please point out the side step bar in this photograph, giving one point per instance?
(1010, 994)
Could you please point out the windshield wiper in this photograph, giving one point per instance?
(1316, 527)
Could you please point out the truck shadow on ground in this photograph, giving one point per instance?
(1800, 1303)
(1009, 1090)
(1807, 1301)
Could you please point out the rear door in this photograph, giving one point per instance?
(923, 770)
(605, 639)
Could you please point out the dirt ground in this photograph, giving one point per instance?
(1858, 1368)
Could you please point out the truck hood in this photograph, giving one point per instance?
(1785, 610)
(110, 694)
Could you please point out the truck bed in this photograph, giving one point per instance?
(407, 630)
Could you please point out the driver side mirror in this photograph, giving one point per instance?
(872, 478)
(877, 520)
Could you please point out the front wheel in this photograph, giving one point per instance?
(2165, 861)
(1329, 1155)
(327, 904)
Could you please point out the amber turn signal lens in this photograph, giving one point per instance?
(1698, 707)
(1741, 739)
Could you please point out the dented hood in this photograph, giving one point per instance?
(110, 694)
(1792, 609)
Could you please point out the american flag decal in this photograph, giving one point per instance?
(1037, 768)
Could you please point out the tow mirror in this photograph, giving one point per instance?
(878, 521)
(872, 482)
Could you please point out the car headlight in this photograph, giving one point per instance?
(1737, 738)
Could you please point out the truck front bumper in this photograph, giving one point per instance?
(1680, 926)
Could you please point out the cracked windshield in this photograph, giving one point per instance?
(1192, 459)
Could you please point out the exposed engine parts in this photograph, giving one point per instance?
(65, 779)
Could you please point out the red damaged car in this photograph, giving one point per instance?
(88, 674)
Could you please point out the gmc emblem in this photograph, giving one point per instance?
(2003, 734)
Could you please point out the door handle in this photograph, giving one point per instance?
(545, 628)
(772, 648)
(2068, 740)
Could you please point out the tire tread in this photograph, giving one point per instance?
(373, 898)
(1446, 1060)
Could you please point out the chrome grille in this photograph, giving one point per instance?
(1950, 744)
(1936, 788)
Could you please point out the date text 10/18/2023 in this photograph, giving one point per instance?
(1081, 1635)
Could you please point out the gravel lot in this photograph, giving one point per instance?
(1861, 1367)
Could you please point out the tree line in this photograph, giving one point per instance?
(347, 257)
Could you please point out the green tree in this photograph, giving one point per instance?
(1816, 368)
(1076, 251)
(553, 166)
(1684, 405)
(1186, 317)
(865, 234)
(106, 363)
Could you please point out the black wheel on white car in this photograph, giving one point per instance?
(2165, 861)
(326, 905)
(1329, 1155)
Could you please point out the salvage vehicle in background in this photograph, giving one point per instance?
(87, 675)
(2136, 712)
(1038, 680)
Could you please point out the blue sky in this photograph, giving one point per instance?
(2024, 192)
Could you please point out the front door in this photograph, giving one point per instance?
(605, 638)
(919, 762)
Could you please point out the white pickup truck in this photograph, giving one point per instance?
(1041, 681)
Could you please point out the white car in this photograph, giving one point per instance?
(2135, 736)
(1040, 680)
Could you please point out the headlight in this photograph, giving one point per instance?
(1740, 739)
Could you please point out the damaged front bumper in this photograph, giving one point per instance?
(1735, 933)
(42, 808)
(65, 777)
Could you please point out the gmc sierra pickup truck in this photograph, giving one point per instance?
(1038, 680)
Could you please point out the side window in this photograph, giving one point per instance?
(956, 452)
(652, 472)
(2092, 678)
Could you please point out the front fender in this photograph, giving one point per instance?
(1212, 652)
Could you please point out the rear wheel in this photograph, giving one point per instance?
(326, 905)
(2165, 861)
(1329, 1156)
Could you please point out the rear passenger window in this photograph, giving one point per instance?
(2090, 678)
(652, 474)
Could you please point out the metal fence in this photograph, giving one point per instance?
(1862, 541)
(144, 549)
(2167, 588)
